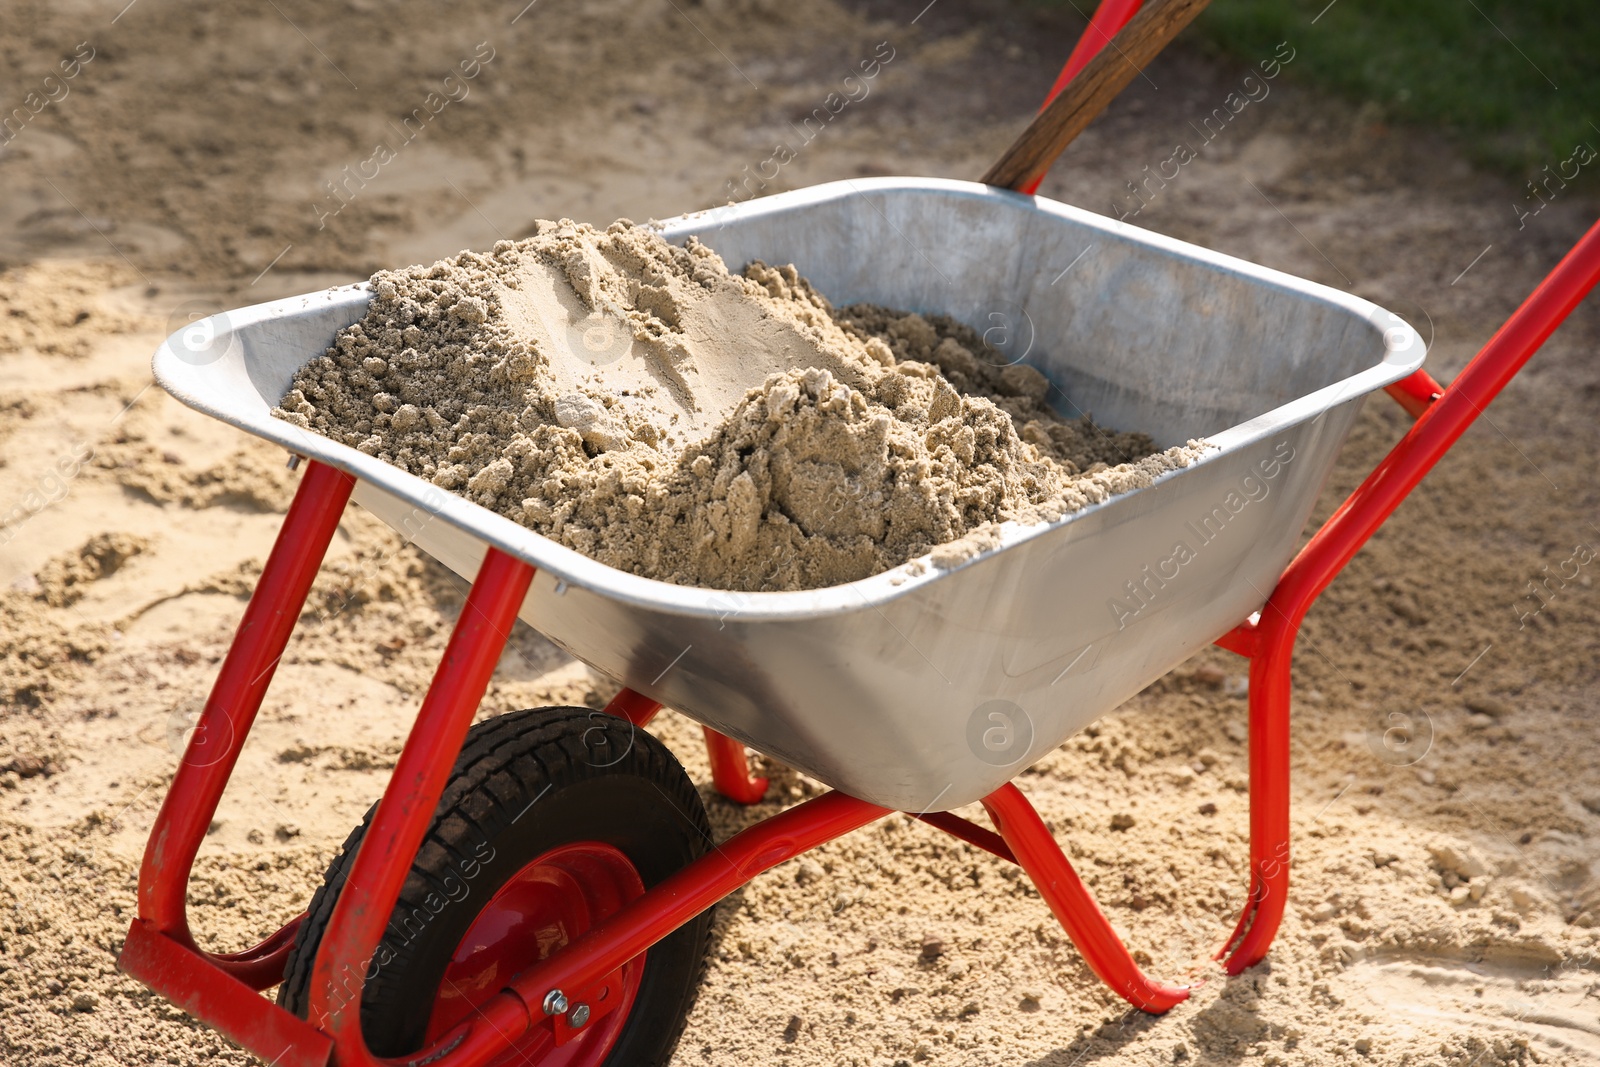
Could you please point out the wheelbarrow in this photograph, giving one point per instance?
(538, 888)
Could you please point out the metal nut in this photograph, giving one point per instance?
(555, 1002)
(578, 1016)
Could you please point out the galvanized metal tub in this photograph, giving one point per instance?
(925, 691)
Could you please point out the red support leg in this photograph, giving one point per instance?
(730, 766)
(1272, 655)
(730, 770)
(384, 859)
(1415, 393)
(1030, 841)
(1270, 643)
(629, 705)
(219, 735)
(967, 831)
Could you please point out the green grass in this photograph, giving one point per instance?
(1516, 81)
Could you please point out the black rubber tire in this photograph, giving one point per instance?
(578, 775)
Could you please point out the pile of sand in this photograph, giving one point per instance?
(639, 403)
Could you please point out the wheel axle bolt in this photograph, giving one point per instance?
(555, 1003)
(578, 1017)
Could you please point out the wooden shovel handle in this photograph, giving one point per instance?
(1085, 96)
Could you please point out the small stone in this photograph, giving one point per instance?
(85, 1002)
(1208, 808)
(1208, 675)
(286, 832)
(808, 871)
(577, 412)
(1491, 706)
(1460, 894)
(1592, 802)
(255, 837)
(1121, 821)
(1237, 731)
(30, 766)
(1363, 1045)
(1476, 721)
(1461, 861)
(586, 415)
(1424, 776)
(932, 948)
(791, 1032)
(1406, 606)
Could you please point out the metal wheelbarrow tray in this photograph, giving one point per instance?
(924, 692)
(918, 690)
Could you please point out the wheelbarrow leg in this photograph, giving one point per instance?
(730, 769)
(1443, 415)
(730, 766)
(229, 712)
(1271, 651)
(159, 950)
(379, 870)
(1036, 850)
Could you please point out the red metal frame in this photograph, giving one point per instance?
(160, 951)
(1038, 854)
(1270, 642)
(508, 1016)
(373, 884)
(730, 765)
(222, 989)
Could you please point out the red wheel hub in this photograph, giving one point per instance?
(545, 906)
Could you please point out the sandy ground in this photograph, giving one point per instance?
(1446, 909)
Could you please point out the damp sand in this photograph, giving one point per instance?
(641, 403)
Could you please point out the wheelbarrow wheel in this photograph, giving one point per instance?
(552, 820)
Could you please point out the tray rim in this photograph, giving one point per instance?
(1404, 353)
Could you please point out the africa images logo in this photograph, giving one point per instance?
(1145, 589)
